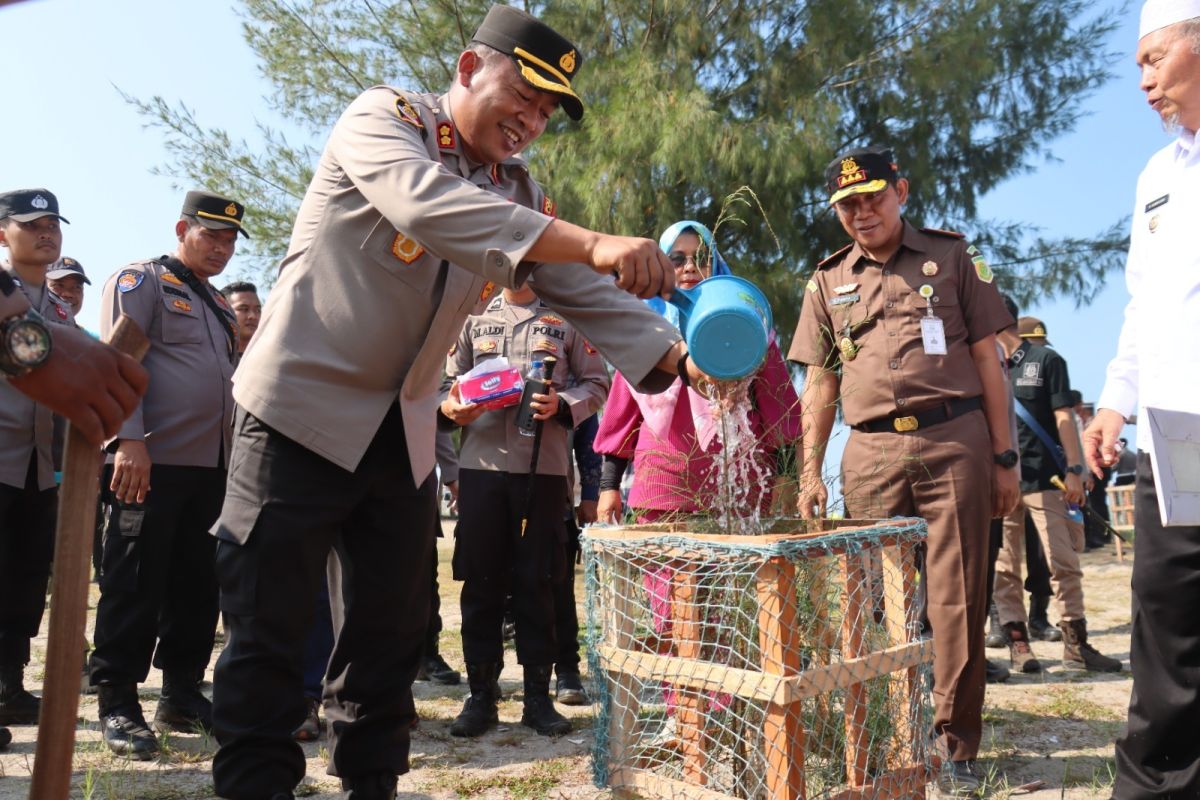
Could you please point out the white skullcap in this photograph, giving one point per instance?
(1157, 14)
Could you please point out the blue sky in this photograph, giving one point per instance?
(67, 128)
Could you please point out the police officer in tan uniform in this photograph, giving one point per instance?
(165, 481)
(901, 324)
(31, 233)
(494, 553)
(418, 207)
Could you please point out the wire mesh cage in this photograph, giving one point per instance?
(782, 665)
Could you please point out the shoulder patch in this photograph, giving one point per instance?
(940, 232)
(812, 286)
(486, 292)
(129, 280)
(829, 259)
(982, 270)
(409, 114)
(548, 207)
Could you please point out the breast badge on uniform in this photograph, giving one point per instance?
(550, 319)
(1154, 223)
(129, 280)
(546, 345)
(929, 269)
(182, 305)
(169, 277)
(406, 249)
(848, 349)
(445, 136)
(486, 346)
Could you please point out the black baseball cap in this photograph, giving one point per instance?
(26, 205)
(545, 59)
(863, 170)
(214, 211)
(65, 268)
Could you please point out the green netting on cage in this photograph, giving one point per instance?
(787, 664)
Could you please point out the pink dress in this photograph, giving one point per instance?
(671, 468)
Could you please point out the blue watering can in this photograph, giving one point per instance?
(726, 322)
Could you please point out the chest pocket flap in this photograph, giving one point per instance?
(181, 320)
(401, 256)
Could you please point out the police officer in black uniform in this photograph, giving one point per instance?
(165, 482)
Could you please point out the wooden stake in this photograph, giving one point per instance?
(82, 462)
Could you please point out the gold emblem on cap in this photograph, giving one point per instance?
(851, 173)
(929, 269)
(567, 62)
(231, 210)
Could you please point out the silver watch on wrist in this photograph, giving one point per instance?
(25, 343)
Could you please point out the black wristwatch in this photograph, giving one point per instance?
(1008, 459)
(25, 343)
(1075, 469)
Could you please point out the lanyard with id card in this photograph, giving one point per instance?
(933, 331)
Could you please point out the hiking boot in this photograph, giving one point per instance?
(17, 706)
(1039, 624)
(568, 688)
(310, 729)
(539, 712)
(959, 779)
(1019, 654)
(479, 711)
(125, 730)
(434, 668)
(995, 673)
(1078, 654)
(182, 708)
(995, 636)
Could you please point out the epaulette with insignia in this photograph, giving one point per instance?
(825, 262)
(940, 232)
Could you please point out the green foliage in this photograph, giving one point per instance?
(687, 102)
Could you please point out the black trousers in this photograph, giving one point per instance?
(156, 578)
(285, 508)
(27, 518)
(566, 616)
(1159, 755)
(493, 559)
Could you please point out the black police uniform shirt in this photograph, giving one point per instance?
(1041, 384)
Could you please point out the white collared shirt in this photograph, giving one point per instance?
(1158, 355)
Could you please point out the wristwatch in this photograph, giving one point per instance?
(25, 343)
(1075, 469)
(1008, 459)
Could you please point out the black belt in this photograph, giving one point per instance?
(924, 419)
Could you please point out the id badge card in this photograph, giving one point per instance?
(933, 336)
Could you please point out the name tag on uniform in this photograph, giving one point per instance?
(933, 336)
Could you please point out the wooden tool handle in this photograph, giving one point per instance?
(82, 462)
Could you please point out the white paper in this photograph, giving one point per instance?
(1175, 436)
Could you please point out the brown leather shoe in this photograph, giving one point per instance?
(1019, 653)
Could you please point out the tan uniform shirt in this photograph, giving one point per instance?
(399, 238)
(524, 334)
(879, 306)
(186, 415)
(24, 424)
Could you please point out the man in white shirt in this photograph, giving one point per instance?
(1158, 364)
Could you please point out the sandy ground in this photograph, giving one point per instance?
(1057, 727)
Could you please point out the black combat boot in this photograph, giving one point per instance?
(380, 786)
(568, 687)
(434, 668)
(1039, 623)
(995, 635)
(17, 706)
(125, 729)
(1078, 654)
(539, 712)
(182, 707)
(479, 712)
